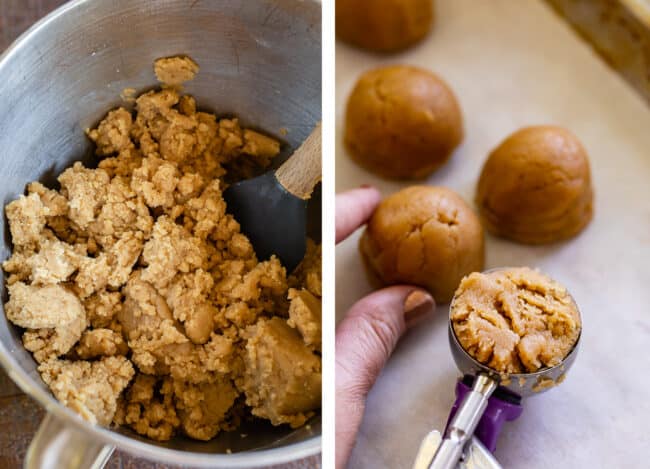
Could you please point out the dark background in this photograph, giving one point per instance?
(19, 414)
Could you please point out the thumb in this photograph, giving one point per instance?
(364, 341)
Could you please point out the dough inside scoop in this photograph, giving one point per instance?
(515, 320)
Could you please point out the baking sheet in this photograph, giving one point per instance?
(515, 63)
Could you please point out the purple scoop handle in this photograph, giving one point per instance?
(496, 413)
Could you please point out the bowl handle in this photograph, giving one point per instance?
(56, 445)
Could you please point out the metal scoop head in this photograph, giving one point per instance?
(524, 384)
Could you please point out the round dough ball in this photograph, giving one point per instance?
(426, 236)
(535, 187)
(383, 25)
(402, 122)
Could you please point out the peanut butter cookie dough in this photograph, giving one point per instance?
(139, 297)
(383, 25)
(402, 122)
(426, 236)
(515, 320)
(535, 187)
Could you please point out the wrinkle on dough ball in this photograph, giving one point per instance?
(402, 122)
(535, 187)
(383, 25)
(426, 236)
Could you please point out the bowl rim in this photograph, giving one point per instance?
(244, 459)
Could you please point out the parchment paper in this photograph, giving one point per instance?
(514, 63)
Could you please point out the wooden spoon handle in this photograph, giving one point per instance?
(302, 171)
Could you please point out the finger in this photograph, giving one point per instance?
(353, 208)
(364, 341)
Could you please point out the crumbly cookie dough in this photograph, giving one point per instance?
(402, 122)
(305, 314)
(90, 388)
(426, 236)
(282, 374)
(383, 25)
(535, 187)
(174, 71)
(515, 320)
(139, 297)
(308, 273)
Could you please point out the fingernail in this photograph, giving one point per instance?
(416, 305)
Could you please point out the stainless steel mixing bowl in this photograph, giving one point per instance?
(259, 59)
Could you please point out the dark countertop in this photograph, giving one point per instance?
(17, 410)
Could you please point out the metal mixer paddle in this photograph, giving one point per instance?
(485, 400)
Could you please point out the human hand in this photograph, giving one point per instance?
(367, 335)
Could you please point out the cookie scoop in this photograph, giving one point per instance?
(487, 398)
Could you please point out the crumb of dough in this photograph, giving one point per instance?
(113, 133)
(141, 299)
(283, 377)
(175, 71)
(171, 249)
(246, 295)
(26, 217)
(515, 320)
(89, 388)
(188, 300)
(123, 209)
(260, 145)
(34, 307)
(128, 95)
(187, 106)
(148, 408)
(85, 190)
(100, 343)
(16, 266)
(202, 408)
(110, 268)
(309, 271)
(305, 314)
(56, 204)
(46, 344)
(102, 307)
(54, 262)
(543, 383)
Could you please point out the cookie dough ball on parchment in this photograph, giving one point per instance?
(383, 25)
(426, 236)
(535, 187)
(402, 122)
